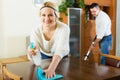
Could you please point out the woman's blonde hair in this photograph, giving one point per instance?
(50, 5)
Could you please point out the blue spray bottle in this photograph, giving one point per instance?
(36, 58)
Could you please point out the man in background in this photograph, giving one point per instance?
(103, 30)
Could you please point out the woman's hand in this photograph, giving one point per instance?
(49, 73)
(32, 51)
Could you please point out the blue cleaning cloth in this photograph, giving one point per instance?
(41, 75)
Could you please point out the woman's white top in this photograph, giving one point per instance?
(58, 45)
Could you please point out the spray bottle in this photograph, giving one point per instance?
(36, 58)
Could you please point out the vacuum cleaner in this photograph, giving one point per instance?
(89, 50)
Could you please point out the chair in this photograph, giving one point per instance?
(5, 61)
(112, 60)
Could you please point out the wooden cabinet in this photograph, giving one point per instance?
(74, 22)
(100, 2)
(64, 18)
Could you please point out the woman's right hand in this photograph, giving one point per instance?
(32, 51)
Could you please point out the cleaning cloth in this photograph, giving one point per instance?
(40, 74)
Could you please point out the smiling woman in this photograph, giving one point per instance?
(50, 38)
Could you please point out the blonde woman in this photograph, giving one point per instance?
(51, 40)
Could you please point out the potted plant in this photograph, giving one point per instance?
(71, 3)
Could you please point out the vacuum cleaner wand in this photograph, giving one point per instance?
(87, 54)
(89, 50)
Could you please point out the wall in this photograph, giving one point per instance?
(1, 31)
(58, 2)
(118, 29)
(17, 18)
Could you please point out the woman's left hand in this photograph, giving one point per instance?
(49, 73)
